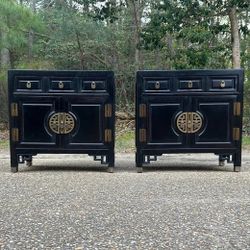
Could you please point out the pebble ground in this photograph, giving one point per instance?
(68, 202)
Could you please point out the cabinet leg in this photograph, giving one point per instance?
(29, 161)
(111, 162)
(14, 163)
(237, 162)
(221, 160)
(139, 161)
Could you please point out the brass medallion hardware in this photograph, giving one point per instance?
(61, 85)
(61, 123)
(190, 84)
(236, 134)
(142, 111)
(108, 110)
(142, 135)
(222, 84)
(93, 85)
(237, 108)
(189, 122)
(15, 134)
(14, 109)
(28, 85)
(108, 135)
(157, 85)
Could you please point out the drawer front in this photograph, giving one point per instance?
(62, 85)
(222, 84)
(189, 84)
(93, 85)
(157, 85)
(29, 85)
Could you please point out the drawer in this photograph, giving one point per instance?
(157, 85)
(190, 84)
(62, 85)
(29, 85)
(93, 85)
(222, 84)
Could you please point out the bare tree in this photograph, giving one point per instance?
(235, 37)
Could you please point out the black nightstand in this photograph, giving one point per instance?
(189, 111)
(61, 112)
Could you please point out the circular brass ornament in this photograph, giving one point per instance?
(61, 123)
(189, 122)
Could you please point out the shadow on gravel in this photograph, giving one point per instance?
(39, 168)
(188, 168)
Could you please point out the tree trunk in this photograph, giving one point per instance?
(5, 58)
(5, 53)
(136, 15)
(235, 38)
(31, 33)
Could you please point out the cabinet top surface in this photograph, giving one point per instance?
(60, 72)
(190, 72)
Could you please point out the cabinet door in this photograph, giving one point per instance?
(89, 122)
(218, 121)
(33, 122)
(160, 122)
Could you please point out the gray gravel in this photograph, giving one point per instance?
(186, 202)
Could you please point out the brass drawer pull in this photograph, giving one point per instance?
(222, 84)
(61, 85)
(157, 85)
(93, 85)
(28, 85)
(190, 84)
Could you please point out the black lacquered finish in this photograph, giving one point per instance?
(61, 112)
(189, 111)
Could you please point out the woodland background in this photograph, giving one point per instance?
(124, 36)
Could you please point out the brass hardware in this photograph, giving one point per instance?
(157, 85)
(108, 135)
(142, 135)
(93, 85)
(236, 134)
(108, 110)
(61, 85)
(237, 108)
(189, 122)
(28, 85)
(15, 134)
(190, 84)
(61, 123)
(14, 109)
(222, 84)
(142, 110)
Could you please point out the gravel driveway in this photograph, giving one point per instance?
(187, 202)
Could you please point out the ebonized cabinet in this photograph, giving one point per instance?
(61, 112)
(189, 111)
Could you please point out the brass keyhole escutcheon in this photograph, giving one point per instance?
(28, 85)
(189, 122)
(61, 85)
(157, 85)
(222, 84)
(61, 123)
(93, 85)
(190, 84)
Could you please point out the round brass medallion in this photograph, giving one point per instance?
(189, 122)
(61, 123)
